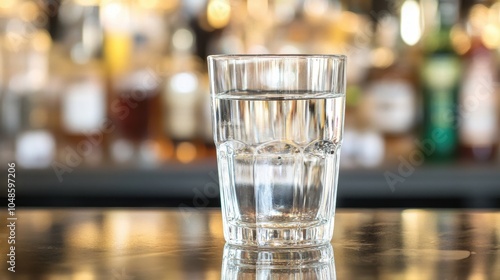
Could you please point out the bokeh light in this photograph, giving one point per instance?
(218, 13)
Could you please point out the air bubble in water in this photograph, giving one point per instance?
(321, 148)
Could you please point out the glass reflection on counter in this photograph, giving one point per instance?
(292, 263)
(165, 244)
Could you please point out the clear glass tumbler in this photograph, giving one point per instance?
(278, 122)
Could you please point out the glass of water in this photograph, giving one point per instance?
(278, 122)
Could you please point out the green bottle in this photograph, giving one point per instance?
(441, 72)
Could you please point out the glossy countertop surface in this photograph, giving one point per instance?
(90, 244)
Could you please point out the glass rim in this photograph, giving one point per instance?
(276, 56)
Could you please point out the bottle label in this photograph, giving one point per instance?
(181, 98)
(442, 73)
(83, 108)
(35, 149)
(478, 103)
(391, 106)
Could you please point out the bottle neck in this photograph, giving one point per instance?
(447, 17)
(448, 11)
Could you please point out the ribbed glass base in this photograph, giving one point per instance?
(272, 237)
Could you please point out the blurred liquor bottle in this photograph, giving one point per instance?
(390, 102)
(183, 93)
(134, 83)
(134, 109)
(28, 108)
(78, 80)
(440, 73)
(479, 96)
(35, 143)
(84, 127)
(182, 98)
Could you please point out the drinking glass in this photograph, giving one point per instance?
(278, 122)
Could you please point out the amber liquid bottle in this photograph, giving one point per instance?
(133, 100)
(134, 110)
(82, 114)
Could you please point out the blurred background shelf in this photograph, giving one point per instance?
(195, 185)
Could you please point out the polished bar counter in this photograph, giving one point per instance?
(187, 243)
